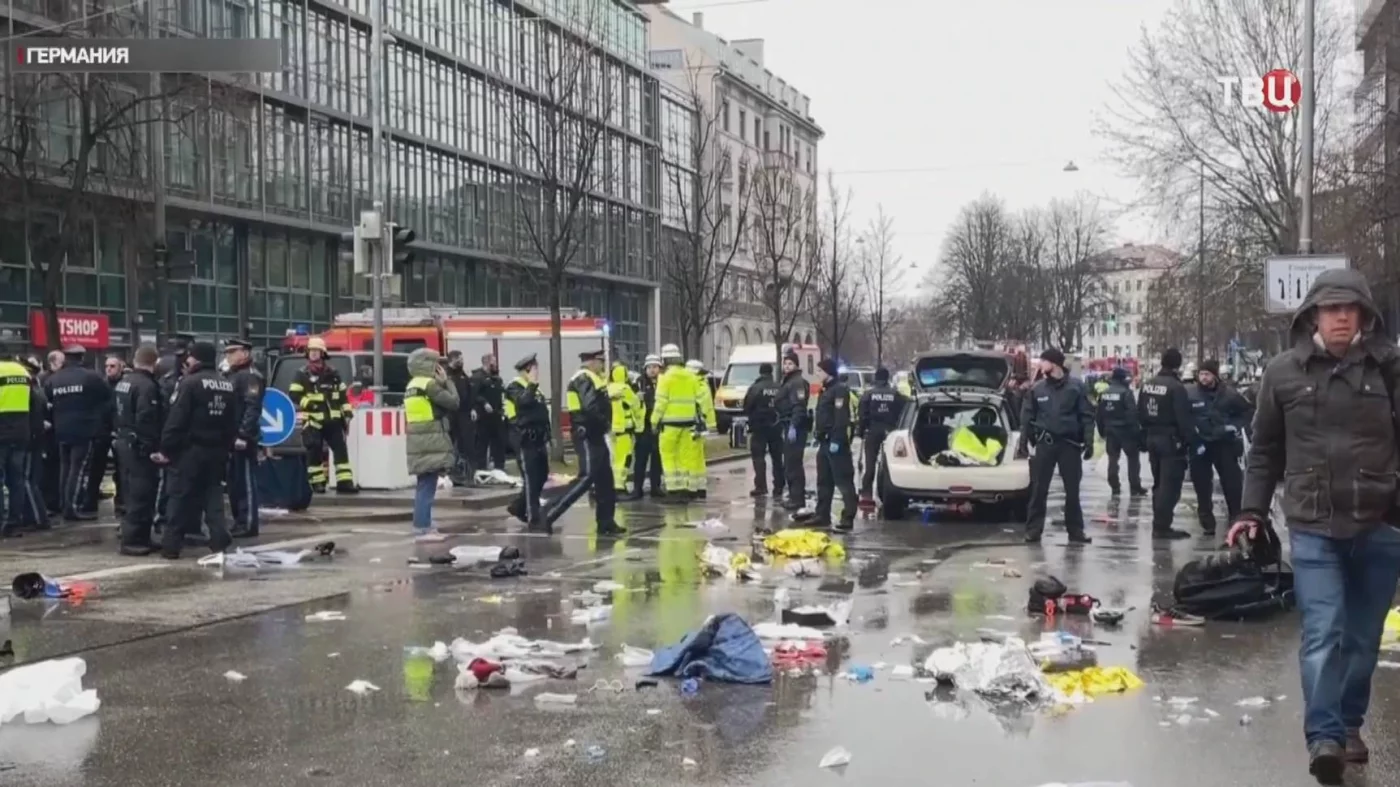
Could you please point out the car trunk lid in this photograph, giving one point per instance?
(975, 370)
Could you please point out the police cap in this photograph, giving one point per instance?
(591, 355)
(204, 353)
(525, 363)
(237, 344)
(75, 350)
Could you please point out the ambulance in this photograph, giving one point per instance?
(742, 371)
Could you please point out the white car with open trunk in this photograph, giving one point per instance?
(954, 389)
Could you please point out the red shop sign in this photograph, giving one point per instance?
(92, 331)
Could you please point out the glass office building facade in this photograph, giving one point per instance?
(263, 174)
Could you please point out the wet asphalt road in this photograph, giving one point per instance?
(158, 641)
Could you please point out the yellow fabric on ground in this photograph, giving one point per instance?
(1392, 626)
(796, 542)
(1095, 681)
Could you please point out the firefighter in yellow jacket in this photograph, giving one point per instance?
(325, 412)
(673, 420)
(704, 424)
(627, 415)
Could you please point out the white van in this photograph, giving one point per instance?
(742, 371)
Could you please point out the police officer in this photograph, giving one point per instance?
(1221, 415)
(463, 421)
(35, 514)
(490, 449)
(880, 408)
(102, 446)
(169, 371)
(646, 464)
(765, 440)
(50, 470)
(140, 415)
(14, 444)
(590, 420)
(248, 387)
(1059, 422)
(319, 395)
(199, 431)
(1118, 423)
(1169, 432)
(835, 464)
(527, 416)
(79, 399)
(794, 423)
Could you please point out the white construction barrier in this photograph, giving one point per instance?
(378, 444)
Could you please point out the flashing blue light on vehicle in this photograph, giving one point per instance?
(842, 370)
(303, 330)
(607, 328)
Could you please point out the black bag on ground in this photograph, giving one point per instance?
(282, 483)
(1230, 586)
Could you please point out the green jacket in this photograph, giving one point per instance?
(430, 447)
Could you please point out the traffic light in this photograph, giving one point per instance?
(401, 240)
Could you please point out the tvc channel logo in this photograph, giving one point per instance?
(1278, 91)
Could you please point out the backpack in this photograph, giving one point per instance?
(1230, 586)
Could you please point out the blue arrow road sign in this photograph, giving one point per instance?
(279, 417)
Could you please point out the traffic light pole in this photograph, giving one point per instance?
(378, 254)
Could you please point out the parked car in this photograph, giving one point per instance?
(954, 389)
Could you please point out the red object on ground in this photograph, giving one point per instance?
(791, 654)
(484, 669)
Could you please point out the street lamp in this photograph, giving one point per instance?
(1201, 275)
(1071, 167)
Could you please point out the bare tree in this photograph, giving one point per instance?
(836, 283)
(559, 135)
(787, 243)
(713, 213)
(977, 271)
(1075, 233)
(75, 154)
(1171, 121)
(883, 274)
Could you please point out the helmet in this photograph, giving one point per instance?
(694, 365)
(670, 352)
(315, 343)
(651, 360)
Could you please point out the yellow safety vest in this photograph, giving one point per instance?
(508, 406)
(675, 398)
(706, 399)
(966, 442)
(14, 388)
(572, 400)
(417, 407)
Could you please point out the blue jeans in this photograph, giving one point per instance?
(423, 495)
(1344, 589)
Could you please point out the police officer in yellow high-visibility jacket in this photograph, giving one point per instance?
(626, 423)
(15, 434)
(590, 419)
(673, 420)
(704, 424)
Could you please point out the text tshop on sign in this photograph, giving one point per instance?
(92, 331)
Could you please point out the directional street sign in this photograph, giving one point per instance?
(279, 417)
(1287, 280)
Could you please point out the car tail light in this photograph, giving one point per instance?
(901, 449)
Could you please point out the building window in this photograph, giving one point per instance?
(744, 125)
(724, 113)
(757, 130)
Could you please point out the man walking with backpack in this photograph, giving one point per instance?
(1325, 429)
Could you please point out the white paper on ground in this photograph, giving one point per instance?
(902, 671)
(361, 687)
(324, 616)
(476, 554)
(608, 586)
(588, 615)
(439, 652)
(49, 691)
(282, 557)
(235, 676)
(548, 698)
(237, 559)
(835, 758)
(508, 644)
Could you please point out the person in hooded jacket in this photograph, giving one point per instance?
(1325, 429)
(432, 407)
(79, 399)
(1118, 423)
(464, 421)
(1222, 418)
(626, 421)
(1059, 422)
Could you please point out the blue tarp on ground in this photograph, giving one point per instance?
(724, 649)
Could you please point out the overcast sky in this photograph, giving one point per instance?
(957, 98)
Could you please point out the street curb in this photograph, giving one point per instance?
(478, 503)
